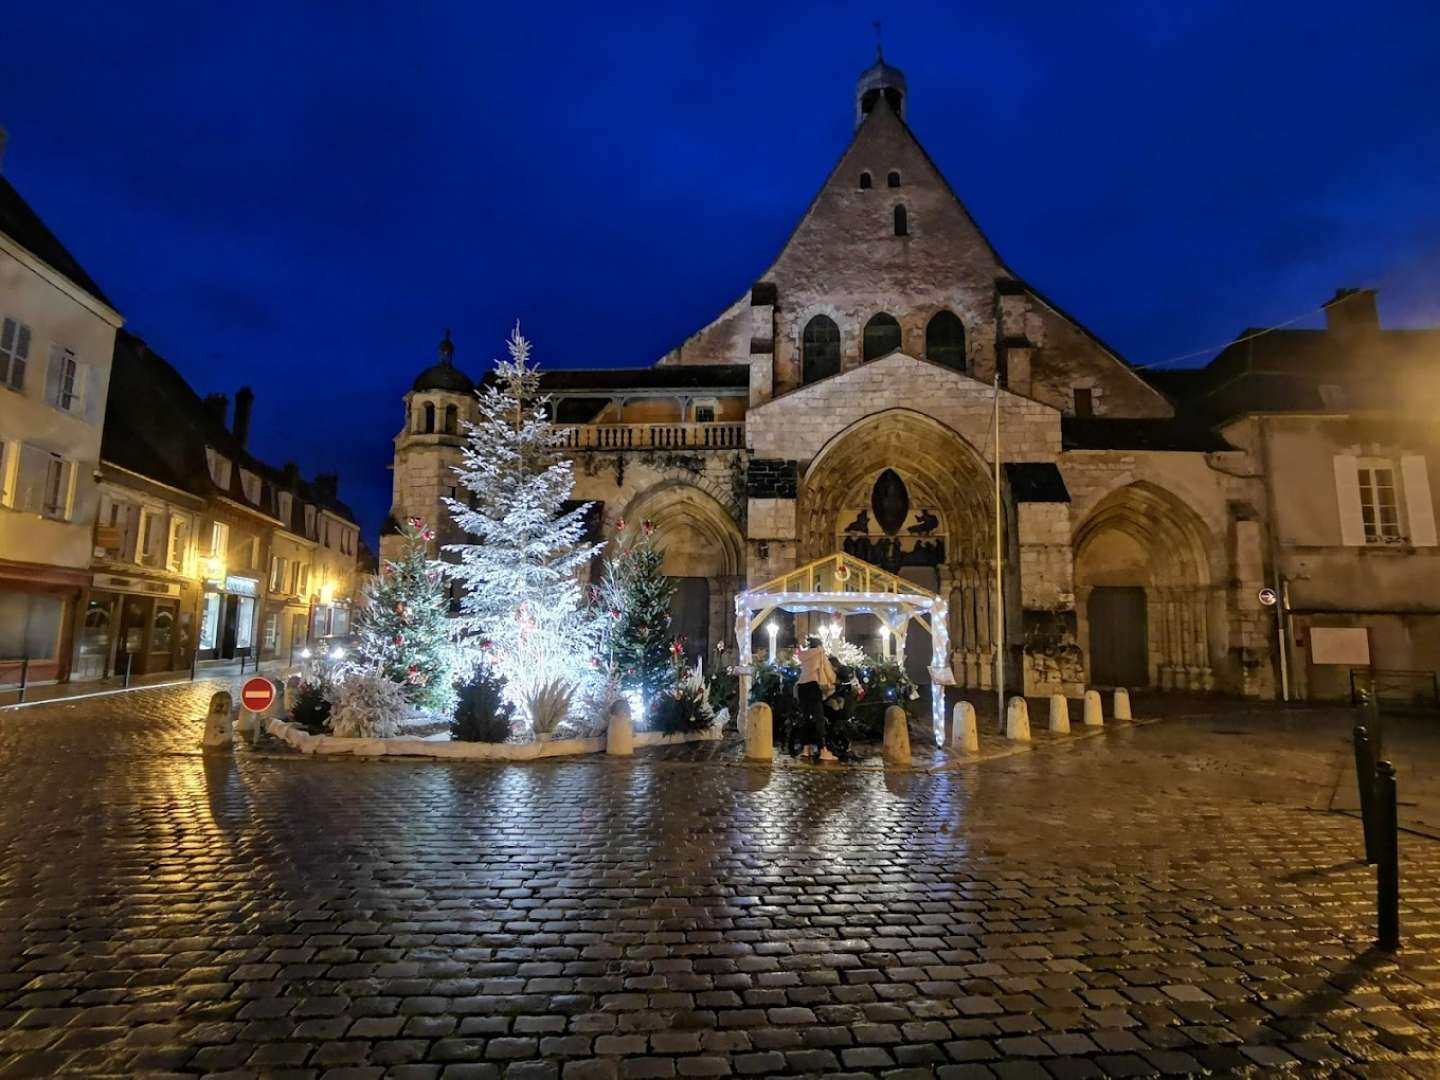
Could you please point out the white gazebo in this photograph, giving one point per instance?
(843, 585)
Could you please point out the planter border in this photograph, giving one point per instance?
(407, 746)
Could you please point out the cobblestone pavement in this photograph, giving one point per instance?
(1174, 898)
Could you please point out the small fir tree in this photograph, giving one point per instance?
(405, 631)
(523, 602)
(635, 600)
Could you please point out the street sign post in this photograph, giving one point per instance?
(257, 695)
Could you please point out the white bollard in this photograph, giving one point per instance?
(619, 730)
(964, 731)
(1094, 714)
(1122, 704)
(897, 736)
(219, 727)
(1017, 720)
(1059, 714)
(760, 733)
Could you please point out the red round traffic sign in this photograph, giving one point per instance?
(257, 694)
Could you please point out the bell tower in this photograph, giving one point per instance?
(879, 81)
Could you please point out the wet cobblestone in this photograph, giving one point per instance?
(1162, 900)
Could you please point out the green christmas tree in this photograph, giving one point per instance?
(405, 631)
(635, 598)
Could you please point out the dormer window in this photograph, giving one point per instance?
(865, 184)
(893, 180)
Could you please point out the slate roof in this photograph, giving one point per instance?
(157, 426)
(19, 222)
(1036, 482)
(662, 377)
(1150, 433)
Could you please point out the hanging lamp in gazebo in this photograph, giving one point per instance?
(843, 585)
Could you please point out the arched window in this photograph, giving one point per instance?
(427, 426)
(820, 350)
(902, 221)
(882, 336)
(452, 420)
(865, 184)
(893, 180)
(945, 340)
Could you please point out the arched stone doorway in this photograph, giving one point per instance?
(939, 535)
(703, 552)
(1142, 591)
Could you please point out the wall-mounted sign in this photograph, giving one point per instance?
(1267, 596)
(241, 586)
(1345, 645)
(116, 583)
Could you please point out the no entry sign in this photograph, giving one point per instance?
(257, 694)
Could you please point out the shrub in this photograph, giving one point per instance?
(312, 708)
(684, 707)
(482, 713)
(367, 706)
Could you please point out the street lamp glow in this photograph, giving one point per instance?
(773, 630)
(884, 641)
(304, 654)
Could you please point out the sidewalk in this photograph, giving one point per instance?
(207, 670)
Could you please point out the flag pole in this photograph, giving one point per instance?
(999, 580)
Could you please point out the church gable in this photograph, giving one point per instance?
(887, 258)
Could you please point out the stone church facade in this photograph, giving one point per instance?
(847, 400)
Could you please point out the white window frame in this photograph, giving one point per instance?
(64, 489)
(150, 518)
(66, 369)
(284, 502)
(713, 404)
(250, 484)
(176, 540)
(1377, 530)
(219, 468)
(220, 540)
(9, 462)
(14, 356)
(310, 523)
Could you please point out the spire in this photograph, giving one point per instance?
(880, 80)
(447, 349)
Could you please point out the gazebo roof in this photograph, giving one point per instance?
(842, 574)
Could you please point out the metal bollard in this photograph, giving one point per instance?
(1365, 781)
(24, 677)
(1387, 869)
(129, 663)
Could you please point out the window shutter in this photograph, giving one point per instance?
(1347, 493)
(1417, 500)
(53, 373)
(94, 393)
(34, 465)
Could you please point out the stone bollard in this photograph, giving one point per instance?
(1017, 720)
(1059, 714)
(897, 736)
(760, 733)
(292, 693)
(1094, 715)
(1122, 704)
(964, 731)
(619, 729)
(219, 725)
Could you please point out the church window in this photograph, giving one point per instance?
(1084, 401)
(902, 222)
(820, 349)
(945, 340)
(882, 336)
(865, 184)
(893, 180)
(452, 420)
(427, 426)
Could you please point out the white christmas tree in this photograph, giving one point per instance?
(523, 604)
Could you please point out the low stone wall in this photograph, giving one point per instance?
(300, 739)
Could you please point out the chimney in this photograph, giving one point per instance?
(328, 484)
(244, 400)
(1352, 312)
(217, 406)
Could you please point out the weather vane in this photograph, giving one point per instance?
(879, 45)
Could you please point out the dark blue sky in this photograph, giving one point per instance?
(277, 195)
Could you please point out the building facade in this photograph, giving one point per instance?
(849, 400)
(57, 334)
(202, 551)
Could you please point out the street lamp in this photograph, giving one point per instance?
(884, 641)
(773, 629)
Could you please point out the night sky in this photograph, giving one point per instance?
(274, 195)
